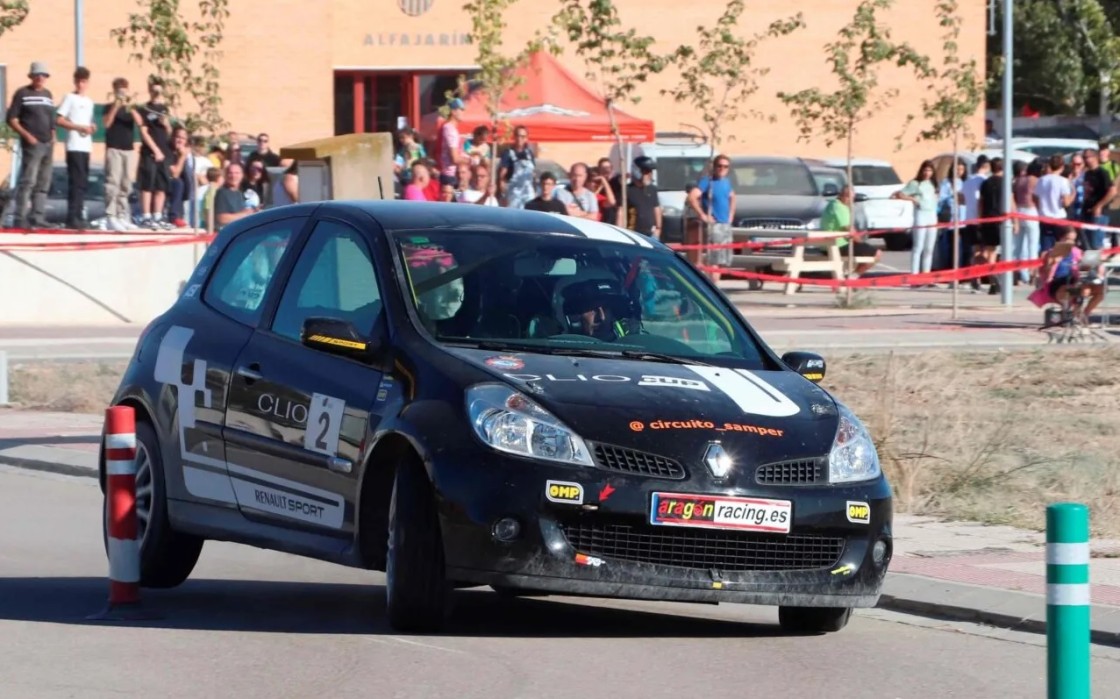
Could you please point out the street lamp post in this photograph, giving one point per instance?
(79, 33)
(1006, 281)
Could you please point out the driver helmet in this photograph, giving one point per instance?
(597, 307)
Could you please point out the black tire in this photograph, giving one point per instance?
(417, 594)
(167, 557)
(897, 242)
(813, 619)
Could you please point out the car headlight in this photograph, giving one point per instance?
(853, 457)
(814, 225)
(509, 421)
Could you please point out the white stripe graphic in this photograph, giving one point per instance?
(120, 441)
(1067, 554)
(596, 230)
(636, 237)
(120, 467)
(124, 560)
(750, 393)
(1068, 595)
(208, 484)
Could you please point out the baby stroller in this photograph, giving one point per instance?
(1066, 321)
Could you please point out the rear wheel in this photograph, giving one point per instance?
(814, 619)
(167, 557)
(417, 594)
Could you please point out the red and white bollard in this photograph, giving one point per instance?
(123, 530)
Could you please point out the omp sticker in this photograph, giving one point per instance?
(564, 492)
(859, 512)
(324, 420)
(750, 393)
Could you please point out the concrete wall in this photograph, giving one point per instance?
(92, 287)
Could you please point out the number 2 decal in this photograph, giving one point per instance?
(324, 420)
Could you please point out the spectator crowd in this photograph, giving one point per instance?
(180, 179)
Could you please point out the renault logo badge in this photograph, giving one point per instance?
(718, 460)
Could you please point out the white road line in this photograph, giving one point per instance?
(427, 645)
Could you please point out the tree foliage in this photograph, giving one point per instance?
(958, 90)
(183, 53)
(12, 14)
(1066, 54)
(718, 75)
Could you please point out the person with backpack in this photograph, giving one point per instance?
(517, 170)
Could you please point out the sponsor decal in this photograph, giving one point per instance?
(859, 512)
(282, 408)
(564, 492)
(721, 512)
(192, 290)
(814, 377)
(717, 585)
(846, 569)
(639, 426)
(584, 560)
(605, 378)
(324, 421)
(337, 342)
(606, 492)
(814, 364)
(505, 363)
(673, 382)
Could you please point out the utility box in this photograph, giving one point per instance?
(351, 166)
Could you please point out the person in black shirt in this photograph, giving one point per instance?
(643, 208)
(1099, 191)
(120, 119)
(31, 114)
(546, 202)
(154, 174)
(264, 153)
(991, 206)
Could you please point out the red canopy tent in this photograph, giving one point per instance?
(553, 104)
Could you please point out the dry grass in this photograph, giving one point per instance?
(987, 436)
(993, 436)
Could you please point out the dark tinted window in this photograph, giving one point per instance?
(874, 176)
(244, 274)
(334, 277)
(772, 178)
(674, 174)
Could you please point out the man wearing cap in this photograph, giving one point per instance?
(449, 140)
(643, 208)
(31, 114)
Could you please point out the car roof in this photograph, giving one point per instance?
(396, 216)
(857, 162)
(766, 159)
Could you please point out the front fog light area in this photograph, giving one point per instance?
(506, 529)
(879, 553)
(509, 421)
(853, 457)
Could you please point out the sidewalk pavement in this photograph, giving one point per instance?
(961, 570)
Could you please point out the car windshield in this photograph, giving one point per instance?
(676, 174)
(563, 294)
(773, 178)
(874, 176)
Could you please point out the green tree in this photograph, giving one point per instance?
(718, 75)
(861, 49)
(183, 53)
(617, 60)
(497, 69)
(12, 14)
(950, 106)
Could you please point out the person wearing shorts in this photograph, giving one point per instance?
(713, 201)
(154, 175)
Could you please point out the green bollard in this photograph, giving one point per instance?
(1067, 601)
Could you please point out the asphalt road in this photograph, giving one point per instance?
(253, 623)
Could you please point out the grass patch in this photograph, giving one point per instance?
(989, 436)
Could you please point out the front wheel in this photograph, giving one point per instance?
(813, 619)
(167, 557)
(417, 595)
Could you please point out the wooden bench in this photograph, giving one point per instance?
(794, 260)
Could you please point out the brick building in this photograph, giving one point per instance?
(301, 70)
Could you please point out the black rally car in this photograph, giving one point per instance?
(462, 396)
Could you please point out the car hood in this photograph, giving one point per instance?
(672, 409)
(805, 208)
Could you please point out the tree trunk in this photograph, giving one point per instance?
(851, 223)
(956, 221)
(624, 171)
(1105, 110)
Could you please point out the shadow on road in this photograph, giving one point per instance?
(318, 608)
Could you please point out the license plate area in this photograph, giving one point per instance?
(721, 512)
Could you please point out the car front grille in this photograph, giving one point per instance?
(771, 223)
(636, 462)
(802, 472)
(702, 549)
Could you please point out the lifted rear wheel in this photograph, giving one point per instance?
(417, 594)
(814, 619)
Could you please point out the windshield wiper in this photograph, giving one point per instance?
(575, 351)
(658, 357)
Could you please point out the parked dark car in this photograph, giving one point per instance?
(776, 192)
(57, 196)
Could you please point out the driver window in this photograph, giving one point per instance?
(678, 313)
(334, 277)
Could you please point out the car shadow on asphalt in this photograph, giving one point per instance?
(331, 608)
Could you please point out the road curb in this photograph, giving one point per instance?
(1008, 609)
(33, 464)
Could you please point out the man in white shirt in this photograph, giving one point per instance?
(75, 114)
(1052, 195)
(481, 190)
(969, 196)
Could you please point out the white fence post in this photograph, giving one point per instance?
(3, 377)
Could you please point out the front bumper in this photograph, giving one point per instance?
(606, 547)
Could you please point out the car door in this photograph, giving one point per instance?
(298, 416)
(196, 354)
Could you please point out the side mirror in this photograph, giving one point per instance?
(831, 190)
(809, 365)
(336, 337)
(861, 197)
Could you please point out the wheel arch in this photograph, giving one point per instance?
(375, 493)
(143, 414)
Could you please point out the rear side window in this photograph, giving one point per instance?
(874, 176)
(245, 272)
